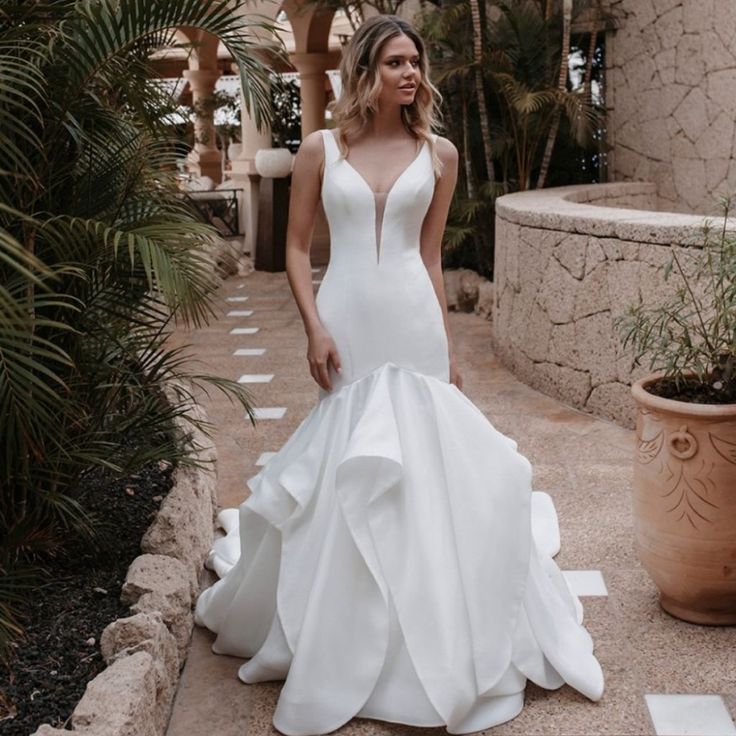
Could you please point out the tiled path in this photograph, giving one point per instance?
(655, 666)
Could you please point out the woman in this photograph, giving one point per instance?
(391, 561)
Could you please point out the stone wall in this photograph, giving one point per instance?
(564, 270)
(671, 93)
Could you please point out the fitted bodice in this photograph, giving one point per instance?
(374, 226)
(377, 299)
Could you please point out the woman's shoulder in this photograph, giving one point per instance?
(446, 150)
(312, 148)
(312, 142)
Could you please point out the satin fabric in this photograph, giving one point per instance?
(392, 561)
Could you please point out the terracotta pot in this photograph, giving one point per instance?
(685, 503)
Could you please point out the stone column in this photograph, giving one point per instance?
(243, 174)
(205, 159)
(313, 83)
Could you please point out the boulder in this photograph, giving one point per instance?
(183, 525)
(121, 700)
(160, 583)
(245, 265)
(146, 632)
(461, 289)
(484, 305)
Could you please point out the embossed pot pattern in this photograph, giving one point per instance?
(685, 504)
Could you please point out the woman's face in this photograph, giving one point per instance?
(399, 71)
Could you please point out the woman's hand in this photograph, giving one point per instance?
(320, 352)
(455, 376)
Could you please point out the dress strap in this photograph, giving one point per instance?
(332, 152)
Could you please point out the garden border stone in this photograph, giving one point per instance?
(146, 651)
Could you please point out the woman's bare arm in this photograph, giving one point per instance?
(303, 204)
(433, 229)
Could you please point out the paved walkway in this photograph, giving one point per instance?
(584, 463)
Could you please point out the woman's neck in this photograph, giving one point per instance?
(386, 124)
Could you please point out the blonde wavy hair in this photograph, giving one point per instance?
(361, 85)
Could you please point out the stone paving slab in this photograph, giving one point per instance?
(584, 463)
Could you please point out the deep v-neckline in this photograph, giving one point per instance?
(378, 227)
(395, 181)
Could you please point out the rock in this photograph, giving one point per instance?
(245, 265)
(598, 358)
(121, 700)
(160, 583)
(461, 289)
(452, 286)
(484, 305)
(179, 622)
(146, 632)
(183, 525)
(558, 292)
(571, 252)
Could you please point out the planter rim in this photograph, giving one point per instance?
(672, 406)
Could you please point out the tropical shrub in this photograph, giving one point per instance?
(99, 257)
(536, 123)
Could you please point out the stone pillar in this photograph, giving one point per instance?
(313, 84)
(205, 159)
(243, 174)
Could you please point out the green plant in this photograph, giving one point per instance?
(98, 256)
(691, 336)
(534, 120)
(286, 129)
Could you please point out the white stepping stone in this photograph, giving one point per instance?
(241, 286)
(237, 299)
(316, 281)
(240, 313)
(268, 412)
(244, 330)
(264, 457)
(689, 715)
(315, 270)
(585, 582)
(249, 351)
(256, 378)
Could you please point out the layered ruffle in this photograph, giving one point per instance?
(392, 562)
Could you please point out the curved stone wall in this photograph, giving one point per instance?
(568, 261)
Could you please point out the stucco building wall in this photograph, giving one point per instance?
(671, 92)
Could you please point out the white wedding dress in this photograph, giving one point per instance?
(392, 561)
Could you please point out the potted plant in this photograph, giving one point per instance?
(685, 469)
(277, 161)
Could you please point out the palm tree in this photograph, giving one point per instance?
(98, 257)
(562, 87)
(478, 45)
